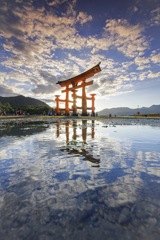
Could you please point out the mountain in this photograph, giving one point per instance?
(21, 101)
(124, 111)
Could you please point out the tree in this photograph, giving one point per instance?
(6, 108)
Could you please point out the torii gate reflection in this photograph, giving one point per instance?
(74, 127)
(84, 134)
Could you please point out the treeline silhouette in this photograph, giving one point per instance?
(7, 109)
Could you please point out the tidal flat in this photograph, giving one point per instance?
(79, 178)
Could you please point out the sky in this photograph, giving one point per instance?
(46, 41)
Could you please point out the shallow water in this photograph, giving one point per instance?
(79, 179)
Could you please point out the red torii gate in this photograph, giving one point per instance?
(73, 84)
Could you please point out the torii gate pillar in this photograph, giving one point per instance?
(74, 107)
(57, 105)
(84, 99)
(67, 101)
(93, 107)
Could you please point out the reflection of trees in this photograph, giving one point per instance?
(22, 130)
(75, 146)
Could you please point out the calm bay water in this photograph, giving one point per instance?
(80, 179)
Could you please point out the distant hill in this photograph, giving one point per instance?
(124, 111)
(21, 101)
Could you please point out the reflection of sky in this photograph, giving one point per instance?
(62, 160)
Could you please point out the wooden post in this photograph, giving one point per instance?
(57, 105)
(67, 101)
(74, 103)
(84, 100)
(93, 107)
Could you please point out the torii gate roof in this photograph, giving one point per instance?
(89, 73)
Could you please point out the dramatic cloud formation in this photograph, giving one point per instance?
(46, 41)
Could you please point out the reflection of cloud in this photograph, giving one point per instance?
(153, 163)
(121, 163)
(44, 186)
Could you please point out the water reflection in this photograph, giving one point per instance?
(77, 143)
(22, 129)
(74, 127)
(80, 180)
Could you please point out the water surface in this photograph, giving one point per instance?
(79, 179)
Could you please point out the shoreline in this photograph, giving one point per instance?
(75, 117)
(6, 121)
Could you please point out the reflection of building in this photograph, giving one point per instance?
(76, 142)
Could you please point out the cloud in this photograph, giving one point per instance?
(127, 38)
(155, 57)
(83, 18)
(108, 81)
(32, 34)
(5, 91)
(9, 22)
(142, 63)
(93, 87)
(55, 2)
(43, 46)
(155, 17)
(45, 89)
(39, 33)
(141, 60)
(153, 74)
(48, 77)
